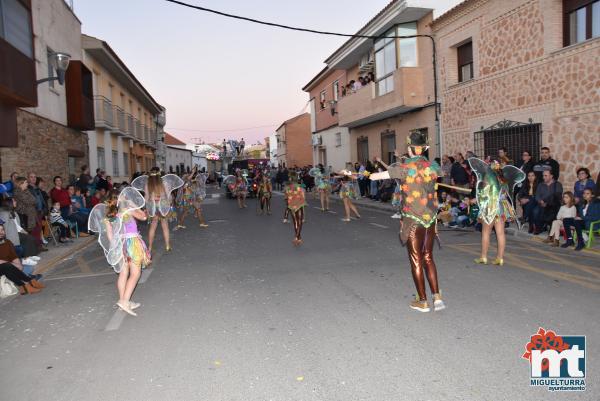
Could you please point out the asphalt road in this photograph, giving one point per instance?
(235, 312)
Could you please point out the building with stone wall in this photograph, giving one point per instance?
(49, 140)
(522, 74)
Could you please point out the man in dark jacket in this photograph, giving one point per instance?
(547, 163)
(548, 196)
(587, 212)
(458, 173)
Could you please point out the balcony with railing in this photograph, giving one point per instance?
(130, 122)
(120, 121)
(366, 105)
(103, 112)
(139, 134)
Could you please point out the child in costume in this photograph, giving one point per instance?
(296, 201)
(158, 198)
(347, 193)
(190, 197)
(124, 248)
(495, 184)
(321, 176)
(264, 193)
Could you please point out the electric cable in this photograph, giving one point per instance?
(292, 28)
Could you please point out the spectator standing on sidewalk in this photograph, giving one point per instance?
(84, 178)
(547, 163)
(458, 173)
(526, 163)
(503, 155)
(446, 170)
(26, 205)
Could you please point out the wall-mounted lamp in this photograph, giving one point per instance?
(59, 62)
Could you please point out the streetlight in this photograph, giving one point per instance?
(59, 62)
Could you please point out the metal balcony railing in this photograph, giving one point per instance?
(130, 125)
(138, 130)
(120, 120)
(103, 112)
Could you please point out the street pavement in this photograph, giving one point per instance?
(236, 312)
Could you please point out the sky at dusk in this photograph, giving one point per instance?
(218, 76)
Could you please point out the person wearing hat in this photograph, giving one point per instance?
(296, 201)
(419, 215)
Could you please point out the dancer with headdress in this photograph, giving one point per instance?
(158, 196)
(124, 248)
(238, 185)
(190, 197)
(295, 198)
(321, 176)
(265, 192)
(495, 184)
(348, 191)
(419, 214)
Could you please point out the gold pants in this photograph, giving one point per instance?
(420, 253)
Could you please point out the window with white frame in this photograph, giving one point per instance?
(338, 139)
(385, 63)
(336, 90)
(101, 158)
(115, 161)
(408, 46)
(464, 56)
(322, 99)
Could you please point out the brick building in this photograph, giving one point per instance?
(294, 142)
(522, 74)
(399, 98)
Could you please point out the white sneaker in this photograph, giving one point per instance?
(29, 262)
(44, 241)
(134, 305)
(36, 258)
(397, 216)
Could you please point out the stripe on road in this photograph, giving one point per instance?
(378, 225)
(145, 275)
(115, 321)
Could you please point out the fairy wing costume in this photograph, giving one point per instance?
(321, 178)
(494, 188)
(159, 203)
(112, 231)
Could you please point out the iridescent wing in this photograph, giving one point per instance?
(201, 185)
(315, 172)
(170, 182)
(140, 183)
(479, 167)
(130, 199)
(513, 176)
(109, 233)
